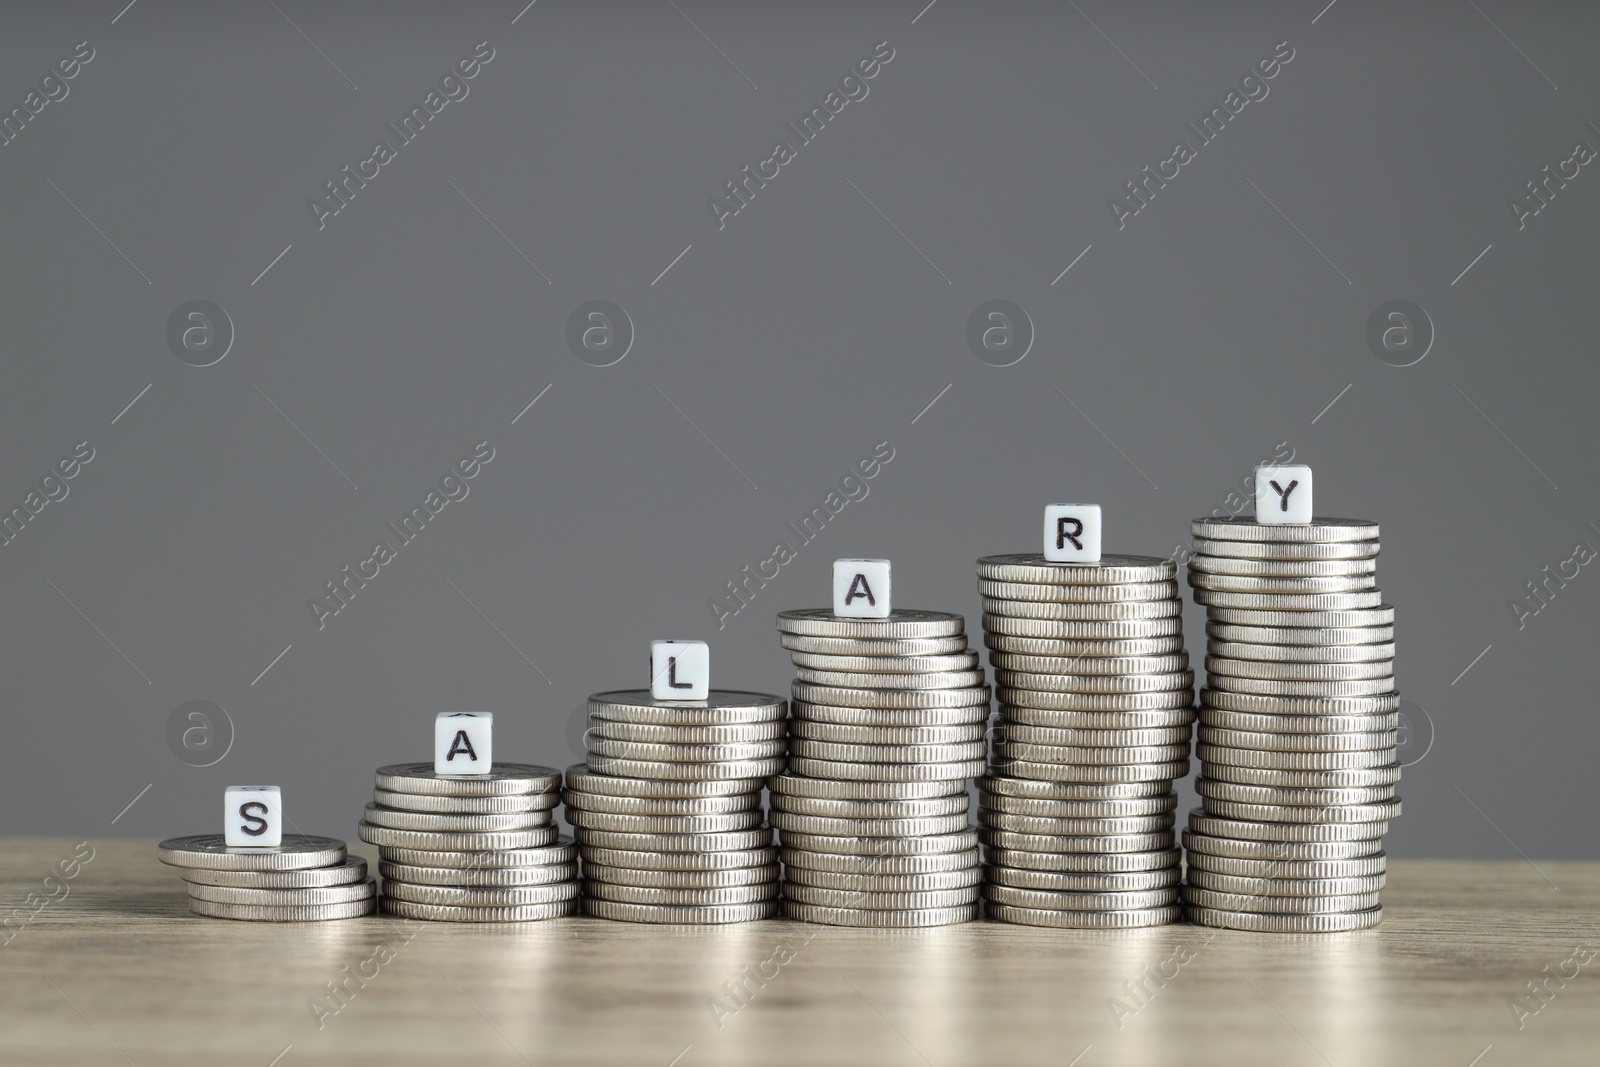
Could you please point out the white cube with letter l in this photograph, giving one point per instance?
(680, 670)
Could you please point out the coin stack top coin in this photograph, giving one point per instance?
(303, 879)
(667, 810)
(1297, 727)
(1096, 696)
(471, 848)
(887, 726)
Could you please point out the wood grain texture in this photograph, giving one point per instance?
(119, 972)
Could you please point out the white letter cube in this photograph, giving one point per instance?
(252, 816)
(463, 742)
(861, 588)
(680, 670)
(1283, 494)
(1072, 533)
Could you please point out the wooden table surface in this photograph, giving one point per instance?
(117, 971)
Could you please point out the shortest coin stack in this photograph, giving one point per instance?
(305, 879)
(478, 848)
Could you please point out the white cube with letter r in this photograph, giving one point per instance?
(252, 816)
(1283, 494)
(680, 670)
(463, 742)
(861, 588)
(1072, 533)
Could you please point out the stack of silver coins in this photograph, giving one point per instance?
(1298, 727)
(667, 811)
(1096, 708)
(471, 848)
(888, 722)
(304, 879)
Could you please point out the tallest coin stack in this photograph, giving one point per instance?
(1298, 727)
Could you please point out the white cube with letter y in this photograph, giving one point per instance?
(1283, 494)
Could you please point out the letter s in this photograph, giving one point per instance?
(484, 451)
(878, 50)
(78, 51)
(83, 451)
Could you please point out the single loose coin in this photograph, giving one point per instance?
(297, 852)
(1078, 594)
(1284, 924)
(841, 770)
(1083, 629)
(1001, 785)
(680, 915)
(1072, 882)
(519, 913)
(742, 772)
(1286, 550)
(1047, 646)
(1319, 529)
(450, 841)
(1165, 718)
(1107, 570)
(721, 706)
(1314, 636)
(352, 870)
(664, 824)
(875, 646)
(679, 861)
(1083, 862)
(445, 805)
(305, 897)
(376, 815)
(654, 733)
(840, 863)
(1302, 616)
(964, 660)
(715, 879)
(844, 696)
(974, 713)
(584, 778)
(1371, 653)
(546, 874)
(1284, 705)
(502, 779)
(722, 896)
(480, 896)
(792, 785)
(562, 851)
(901, 623)
(1083, 920)
(1165, 608)
(289, 914)
(1282, 568)
(816, 913)
(1351, 868)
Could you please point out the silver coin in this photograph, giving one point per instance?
(517, 913)
(1083, 862)
(841, 696)
(964, 660)
(1107, 570)
(885, 883)
(1314, 636)
(1239, 583)
(1320, 528)
(880, 901)
(1167, 718)
(680, 915)
(892, 682)
(1080, 809)
(827, 825)
(1287, 550)
(601, 745)
(297, 852)
(1383, 811)
(1276, 851)
(653, 733)
(1082, 756)
(1089, 665)
(1078, 900)
(1044, 700)
(306, 897)
(1292, 761)
(576, 799)
(721, 706)
(451, 841)
(725, 841)
(1282, 568)
(722, 896)
(493, 805)
(1284, 924)
(929, 845)
(1238, 650)
(843, 863)
(901, 623)
(853, 753)
(679, 861)
(1003, 786)
(291, 914)
(562, 851)
(714, 879)
(1347, 778)
(1078, 594)
(1161, 773)
(504, 896)
(1071, 882)
(1285, 887)
(352, 870)
(930, 807)
(1034, 824)
(1255, 830)
(1083, 629)
(885, 772)
(1284, 603)
(1167, 608)
(502, 779)
(1050, 735)
(1302, 672)
(1351, 868)
(885, 735)
(583, 778)
(664, 824)
(1083, 920)
(975, 713)
(874, 646)
(546, 874)
(1303, 616)
(1273, 687)
(1099, 844)
(815, 913)
(1260, 794)
(741, 773)
(1209, 898)
(1281, 705)
(1349, 741)
(1092, 684)
(1070, 649)
(792, 785)
(393, 818)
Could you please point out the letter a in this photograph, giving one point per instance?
(461, 744)
(860, 583)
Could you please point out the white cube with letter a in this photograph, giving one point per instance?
(252, 816)
(680, 670)
(463, 742)
(861, 588)
(1072, 533)
(1283, 494)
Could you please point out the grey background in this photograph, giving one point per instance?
(808, 329)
